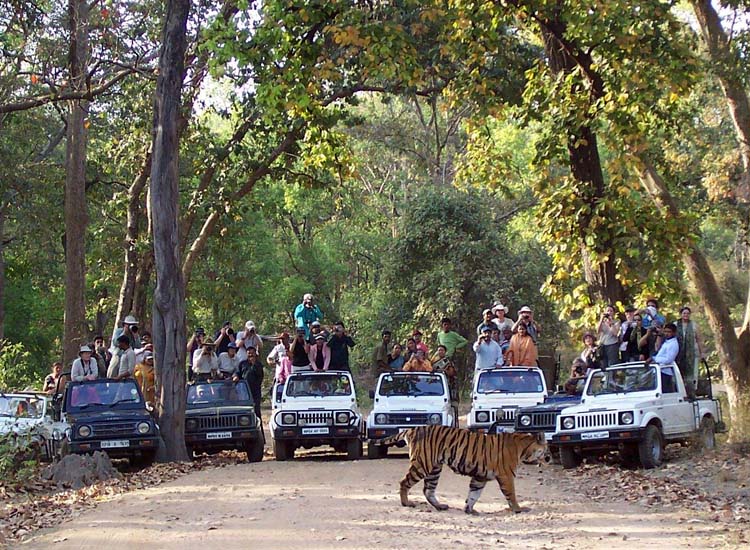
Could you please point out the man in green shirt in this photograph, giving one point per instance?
(450, 339)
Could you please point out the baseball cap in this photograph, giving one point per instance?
(250, 325)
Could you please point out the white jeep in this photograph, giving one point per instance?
(498, 393)
(314, 409)
(403, 400)
(29, 416)
(635, 409)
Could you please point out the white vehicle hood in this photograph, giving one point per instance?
(19, 425)
(613, 402)
(321, 403)
(409, 404)
(500, 400)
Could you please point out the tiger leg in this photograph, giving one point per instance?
(475, 489)
(508, 487)
(412, 477)
(430, 484)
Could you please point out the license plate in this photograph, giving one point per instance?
(219, 435)
(595, 435)
(314, 431)
(115, 444)
(548, 436)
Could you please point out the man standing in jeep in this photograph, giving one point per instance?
(339, 344)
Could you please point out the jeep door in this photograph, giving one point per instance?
(677, 411)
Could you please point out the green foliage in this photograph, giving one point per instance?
(16, 368)
(19, 458)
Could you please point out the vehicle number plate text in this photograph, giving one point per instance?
(595, 435)
(314, 431)
(219, 435)
(115, 444)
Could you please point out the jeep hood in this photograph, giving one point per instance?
(500, 400)
(215, 411)
(108, 416)
(409, 403)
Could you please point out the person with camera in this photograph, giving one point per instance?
(251, 370)
(526, 319)
(501, 318)
(631, 338)
(229, 362)
(248, 338)
(669, 348)
(205, 362)
(340, 343)
(306, 313)
(650, 342)
(123, 362)
(194, 344)
(487, 351)
(102, 355)
(577, 373)
(280, 350)
(223, 337)
(50, 382)
(608, 331)
(129, 328)
(85, 367)
(590, 356)
(651, 313)
(300, 350)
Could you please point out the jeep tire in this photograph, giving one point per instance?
(569, 458)
(254, 450)
(353, 449)
(706, 438)
(651, 447)
(282, 450)
(376, 451)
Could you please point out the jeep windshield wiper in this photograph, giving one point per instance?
(496, 391)
(129, 400)
(86, 405)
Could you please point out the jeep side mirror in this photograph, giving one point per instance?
(372, 394)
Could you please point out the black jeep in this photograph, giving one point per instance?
(110, 416)
(220, 416)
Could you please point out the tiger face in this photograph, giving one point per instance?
(536, 450)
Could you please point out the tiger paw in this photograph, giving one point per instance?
(470, 511)
(440, 507)
(408, 503)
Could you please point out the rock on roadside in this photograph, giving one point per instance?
(76, 471)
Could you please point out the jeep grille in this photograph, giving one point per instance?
(595, 420)
(213, 422)
(505, 416)
(110, 429)
(543, 420)
(317, 418)
(416, 419)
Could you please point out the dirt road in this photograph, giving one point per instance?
(319, 501)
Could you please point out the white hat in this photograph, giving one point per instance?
(83, 349)
(307, 296)
(250, 325)
(486, 311)
(130, 320)
(499, 306)
(525, 309)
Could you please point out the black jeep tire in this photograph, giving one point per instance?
(254, 449)
(569, 458)
(353, 449)
(706, 438)
(145, 460)
(651, 447)
(376, 451)
(629, 456)
(283, 450)
(554, 453)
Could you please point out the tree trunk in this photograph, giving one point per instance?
(76, 216)
(168, 324)
(734, 349)
(125, 301)
(2, 274)
(586, 167)
(142, 281)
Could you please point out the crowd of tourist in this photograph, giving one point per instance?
(633, 335)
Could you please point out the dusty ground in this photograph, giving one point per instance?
(320, 501)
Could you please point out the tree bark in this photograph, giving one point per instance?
(733, 347)
(2, 273)
(125, 301)
(586, 167)
(76, 216)
(168, 330)
(142, 281)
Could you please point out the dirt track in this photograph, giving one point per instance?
(319, 501)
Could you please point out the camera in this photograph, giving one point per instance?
(230, 332)
(134, 328)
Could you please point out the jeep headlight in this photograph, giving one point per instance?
(626, 417)
(435, 418)
(342, 418)
(244, 420)
(191, 424)
(525, 420)
(568, 422)
(381, 419)
(84, 431)
(57, 435)
(483, 416)
(288, 418)
(143, 427)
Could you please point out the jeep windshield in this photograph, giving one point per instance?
(626, 380)
(103, 395)
(509, 381)
(21, 406)
(412, 384)
(318, 385)
(218, 394)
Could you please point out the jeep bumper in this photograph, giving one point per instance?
(325, 433)
(117, 448)
(611, 439)
(221, 439)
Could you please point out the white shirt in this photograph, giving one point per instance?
(227, 364)
(667, 352)
(276, 354)
(205, 364)
(489, 355)
(244, 340)
(81, 370)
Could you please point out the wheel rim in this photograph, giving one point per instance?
(656, 449)
(709, 438)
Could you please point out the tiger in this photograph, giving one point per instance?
(481, 456)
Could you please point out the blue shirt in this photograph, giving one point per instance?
(306, 316)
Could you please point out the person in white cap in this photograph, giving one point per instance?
(85, 367)
(130, 329)
(487, 319)
(306, 313)
(526, 318)
(248, 338)
(501, 318)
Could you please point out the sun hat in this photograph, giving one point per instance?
(84, 349)
(130, 320)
